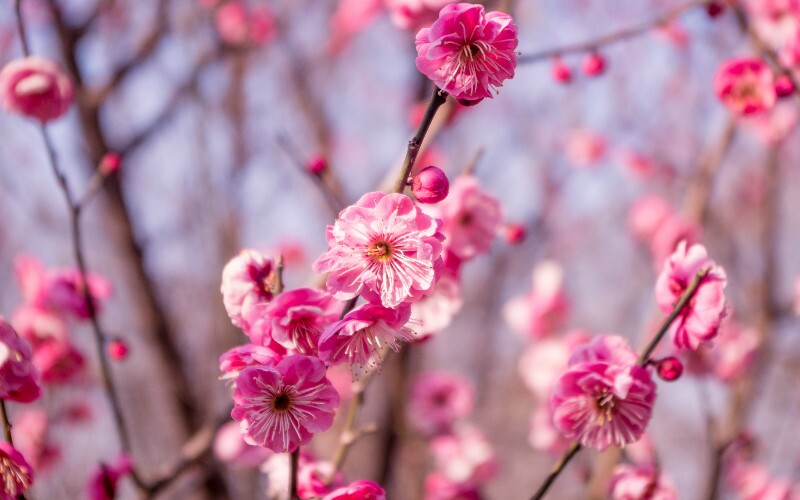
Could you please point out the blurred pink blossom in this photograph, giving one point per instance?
(440, 487)
(543, 435)
(467, 52)
(438, 400)
(646, 215)
(31, 433)
(772, 127)
(585, 148)
(637, 482)
(350, 18)
(233, 361)
(37, 325)
(19, 379)
(247, 282)
(543, 310)
(58, 361)
(412, 15)
(543, 362)
(358, 490)
(239, 25)
(35, 87)
(432, 314)
(745, 85)
(465, 457)
(103, 480)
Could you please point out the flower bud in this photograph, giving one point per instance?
(317, 164)
(514, 233)
(714, 9)
(669, 369)
(430, 185)
(561, 72)
(784, 86)
(35, 87)
(109, 164)
(118, 349)
(594, 64)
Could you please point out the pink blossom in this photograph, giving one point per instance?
(102, 483)
(543, 435)
(745, 85)
(440, 487)
(468, 53)
(585, 148)
(412, 15)
(600, 404)
(733, 352)
(37, 325)
(669, 233)
(363, 335)
(646, 215)
(384, 248)
(232, 362)
(312, 476)
(637, 482)
(238, 25)
(16, 474)
(611, 349)
(295, 319)
(35, 87)
(434, 313)
(19, 379)
(772, 127)
(466, 457)
(32, 437)
(58, 361)
(358, 490)
(438, 400)
(752, 481)
(700, 319)
(247, 282)
(542, 311)
(470, 216)
(430, 185)
(282, 406)
(543, 362)
(230, 447)
(350, 18)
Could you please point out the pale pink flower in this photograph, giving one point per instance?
(471, 218)
(19, 379)
(544, 310)
(468, 53)
(350, 18)
(772, 127)
(384, 248)
(363, 335)
(32, 437)
(601, 404)
(639, 482)
(16, 476)
(238, 25)
(295, 319)
(35, 87)
(543, 435)
(232, 362)
(247, 282)
(543, 362)
(440, 487)
(434, 313)
(358, 490)
(752, 481)
(465, 456)
(103, 480)
(281, 407)
(412, 15)
(672, 231)
(745, 85)
(646, 215)
(312, 476)
(585, 148)
(36, 325)
(699, 321)
(230, 447)
(733, 351)
(438, 400)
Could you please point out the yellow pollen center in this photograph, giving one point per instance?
(380, 250)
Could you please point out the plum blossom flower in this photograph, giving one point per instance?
(601, 400)
(753, 481)
(295, 319)
(543, 435)
(19, 379)
(384, 248)
(699, 321)
(745, 85)
(545, 360)
(282, 406)
(438, 400)
(247, 282)
(58, 361)
(33, 439)
(233, 361)
(466, 457)
(358, 490)
(646, 215)
(39, 325)
(230, 447)
(16, 474)
(732, 353)
(467, 52)
(415, 14)
(312, 476)
(543, 310)
(636, 482)
(362, 336)
(440, 487)
(35, 87)
(434, 313)
(470, 216)
(102, 483)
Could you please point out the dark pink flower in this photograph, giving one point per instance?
(468, 53)
(59, 362)
(640, 482)
(363, 335)
(295, 319)
(699, 321)
(430, 185)
(471, 218)
(745, 85)
(102, 483)
(19, 379)
(358, 490)
(35, 87)
(247, 282)
(384, 248)
(16, 474)
(440, 487)
(438, 400)
(281, 407)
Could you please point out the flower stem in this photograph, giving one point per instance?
(295, 465)
(6, 422)
(557, 468)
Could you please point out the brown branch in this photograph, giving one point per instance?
(6, 422)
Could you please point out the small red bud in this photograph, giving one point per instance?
(317, 165)
(430, 185)
(714, 9)
(561, 72)
(515, 233)
(118, 349)
(109, 163)
(784, 86)
(669, 369)
(594, 64)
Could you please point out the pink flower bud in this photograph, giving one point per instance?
(317, 164)
(669, 369)
(561, 72)
(430, 185)
(784, 86)
(118, 349)
(594, 64)
(109, 163)
(714, 9)
(515, 233)
(35, 87)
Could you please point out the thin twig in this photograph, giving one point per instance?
(6, 422)
(293, 471)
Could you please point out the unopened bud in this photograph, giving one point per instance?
(317, 165)
(430, 185)
(561, 72)
(110, 163)
(669, 369)
(594, 64)
(514, 233)
(784, 86)
(118, 349)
